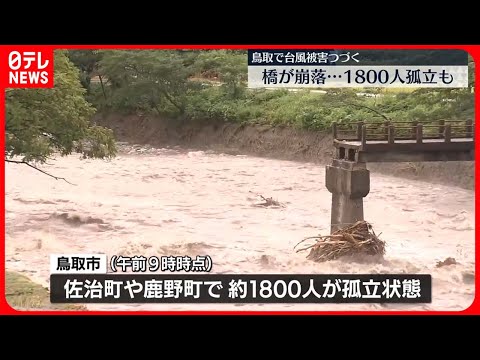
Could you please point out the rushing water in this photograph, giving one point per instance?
(178, 202)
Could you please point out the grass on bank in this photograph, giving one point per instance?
(23, 294)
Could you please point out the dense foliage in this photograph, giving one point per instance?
(41, 122)
(211, 85)
(191, 85)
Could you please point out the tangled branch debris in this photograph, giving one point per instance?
(268, 202)
(353, 240)
(446, 262)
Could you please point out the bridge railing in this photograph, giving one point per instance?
(389, 131)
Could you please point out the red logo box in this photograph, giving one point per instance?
(26, 67)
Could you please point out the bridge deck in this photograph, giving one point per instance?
(402, 141)
(405, 142)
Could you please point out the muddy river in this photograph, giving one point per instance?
(179, 202)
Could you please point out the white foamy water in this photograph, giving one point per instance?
(174, 202)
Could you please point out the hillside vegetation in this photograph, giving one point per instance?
(211, 85)
(190, 86)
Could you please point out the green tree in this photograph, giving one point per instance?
(87, 61)
(229, 65)
(148, 79)
(42, 122)
(178, 82)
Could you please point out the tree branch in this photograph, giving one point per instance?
(34, 167)
(156, 108)
(52, 138)
(103, 86)
(173, 102)
(369, 108)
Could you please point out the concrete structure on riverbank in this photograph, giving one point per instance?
(348, 178)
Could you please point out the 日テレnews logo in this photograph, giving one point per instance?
(28, 68)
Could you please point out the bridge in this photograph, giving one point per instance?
(405, 141)
(348, 178)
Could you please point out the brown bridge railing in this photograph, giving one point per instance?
(390, 131)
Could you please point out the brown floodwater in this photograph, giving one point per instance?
(178, 202)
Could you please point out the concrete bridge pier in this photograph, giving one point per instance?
(349, 183)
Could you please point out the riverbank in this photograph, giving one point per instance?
(279, 142)
(24, 294)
